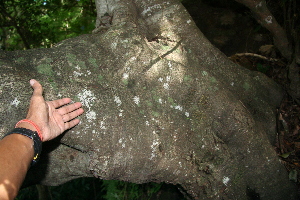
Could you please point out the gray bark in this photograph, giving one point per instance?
(162, 104)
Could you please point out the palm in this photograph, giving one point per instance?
(56, 123)
(59, 116)
(53, 117)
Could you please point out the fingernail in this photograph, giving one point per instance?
(32, 82)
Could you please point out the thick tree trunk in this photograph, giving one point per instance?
(162, 104)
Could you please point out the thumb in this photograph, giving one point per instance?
(37, 87)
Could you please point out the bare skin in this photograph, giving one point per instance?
(16, 151)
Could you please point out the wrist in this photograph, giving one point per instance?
(32, 124)
(26, 125)
(33, 135)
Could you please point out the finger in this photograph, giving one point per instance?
(69, 108)
(37, 87)
(72, 115)
(71, 123)
(59, 102)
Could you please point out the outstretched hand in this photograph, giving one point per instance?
(52, 117)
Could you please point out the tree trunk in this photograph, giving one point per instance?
(161, 104)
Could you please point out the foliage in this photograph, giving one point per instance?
(78, 189)
(118, 190)
(262, 68)
(27, 193)
(92, 188)
(29, 24)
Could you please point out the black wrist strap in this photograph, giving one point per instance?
(37, 143)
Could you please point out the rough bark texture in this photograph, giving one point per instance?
(162, 104)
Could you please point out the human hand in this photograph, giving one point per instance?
(52, 117)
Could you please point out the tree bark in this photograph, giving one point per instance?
(162, 104)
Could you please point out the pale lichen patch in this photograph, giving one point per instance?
(268, 20)
(102, 125)
(113, 45)
(150, 9)
(15, 102)
(76, 74)
(225, 180)
(204, 73)
(178, 107)
(136, 100)
(187, 114)
(121, 142)
(160, 101)
(117, 100)
(154, 148)
(166, 86)
(125, 76)
(259, 5)
(87, 98)
(90, 115)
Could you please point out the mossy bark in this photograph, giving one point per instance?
(161, 104)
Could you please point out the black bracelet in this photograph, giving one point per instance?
(37, 143)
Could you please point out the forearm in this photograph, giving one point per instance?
(45, 121)
(16, 155)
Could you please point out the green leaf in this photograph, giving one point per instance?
(285, 155)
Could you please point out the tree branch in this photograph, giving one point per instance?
(263, 16)
(15, 24)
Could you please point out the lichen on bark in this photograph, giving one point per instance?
(162, 104)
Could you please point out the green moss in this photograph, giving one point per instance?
(20, 60)
(45, 69)
(93, 62)
(125, 81)
(213, 88)
(142, 112)
(213, 79)
(76, 98)
(71, 57)
(246, 86)
(155, 114)
(82, 64)
(53, 84)
(165, 47)
(177, 51)
(48, 60)
(156, 98)
(170, 100)
(187, 78)
(149, 103)
(100, 79)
